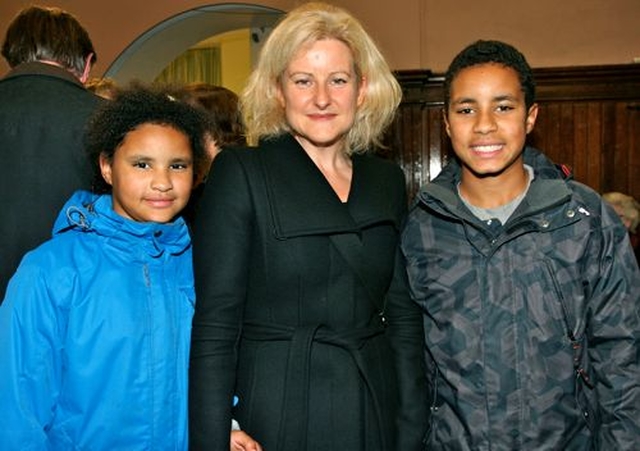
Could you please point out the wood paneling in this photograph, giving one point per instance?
(589, 119)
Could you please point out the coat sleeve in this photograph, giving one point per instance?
(30, 359)
(221, 245)
(406, 333)
(613, 334)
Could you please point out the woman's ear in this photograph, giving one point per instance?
(362, 91)
(105, 168)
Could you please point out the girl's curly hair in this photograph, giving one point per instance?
(132, 107)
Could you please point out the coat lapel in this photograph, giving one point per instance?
(302, 201)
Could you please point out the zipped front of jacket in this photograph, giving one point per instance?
(512, 308)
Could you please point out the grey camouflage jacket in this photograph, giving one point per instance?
(532, 328)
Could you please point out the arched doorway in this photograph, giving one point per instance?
(152, 51)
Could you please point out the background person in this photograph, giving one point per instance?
(224, 127)
(102, 86)
(303, 309)
(628, 209)
(43, 110)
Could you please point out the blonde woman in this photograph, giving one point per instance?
(303, 310)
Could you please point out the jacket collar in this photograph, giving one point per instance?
(86, 212)
(552, 190)
(303, 202)
(48, 70)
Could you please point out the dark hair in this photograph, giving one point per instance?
(483, 52)
(221, 105)
(43, 33)
(132, 107)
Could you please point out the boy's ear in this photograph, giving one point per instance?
(532, 114)
(105, 169)
(445, 119)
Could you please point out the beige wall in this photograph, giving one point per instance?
(414, 34)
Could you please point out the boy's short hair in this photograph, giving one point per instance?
(496, 52)
(132, 107)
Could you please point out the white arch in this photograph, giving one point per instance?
(152, 51)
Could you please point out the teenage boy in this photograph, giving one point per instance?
(527, 281)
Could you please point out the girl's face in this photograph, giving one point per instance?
(320, 93)
(151, 173)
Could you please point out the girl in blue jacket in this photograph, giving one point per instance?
(95, 326)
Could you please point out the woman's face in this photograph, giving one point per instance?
(320, 93)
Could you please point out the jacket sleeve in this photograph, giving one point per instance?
(30, 360)
(221, 259)
(406, 333)
(614, 338)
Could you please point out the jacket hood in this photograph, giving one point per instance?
(86, 212)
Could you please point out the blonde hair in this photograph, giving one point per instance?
(628, 207)
(311, 22)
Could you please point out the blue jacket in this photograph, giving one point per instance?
(532, 328)
(94, 335)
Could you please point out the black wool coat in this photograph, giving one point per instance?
(302, 308)
(43, 111)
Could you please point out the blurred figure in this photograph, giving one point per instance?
(43, 109)
(103, 87)
(628, 210)
(221, 106)
(225, 127)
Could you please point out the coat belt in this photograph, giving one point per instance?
(296, 401)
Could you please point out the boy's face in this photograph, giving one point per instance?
(151, 174)
(487, 120)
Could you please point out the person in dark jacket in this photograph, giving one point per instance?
(303, 309)
(526, 279)
(43, 110)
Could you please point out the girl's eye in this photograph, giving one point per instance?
(464, 111)
(505, 108)
(141, 164)
(180, 166)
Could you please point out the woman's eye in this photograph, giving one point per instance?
(141, 164)
(303, 82)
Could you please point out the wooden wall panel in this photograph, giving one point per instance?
(589, 119)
